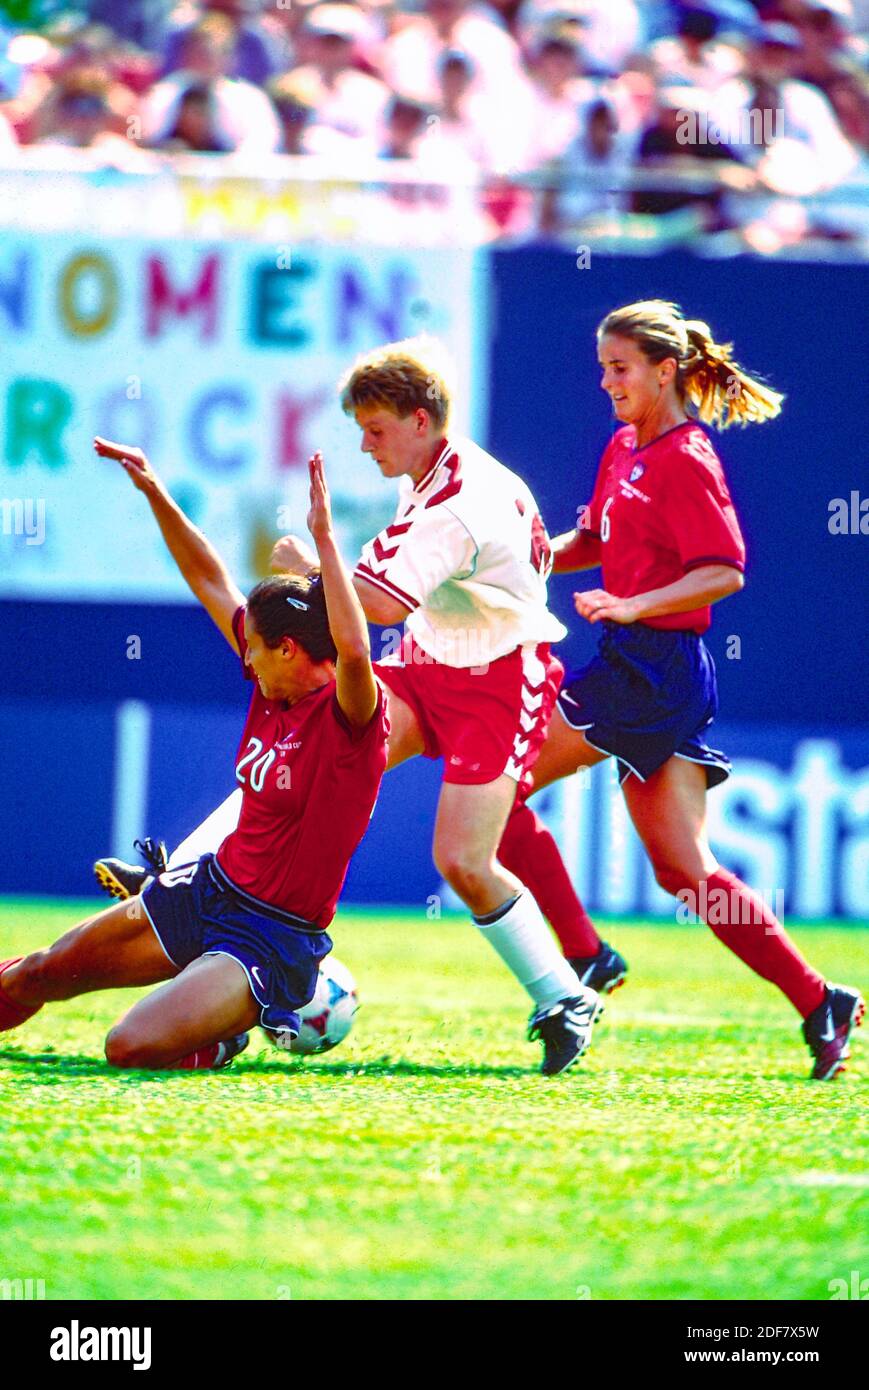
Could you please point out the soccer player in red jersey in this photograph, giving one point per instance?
(662, 526)
(238, 936)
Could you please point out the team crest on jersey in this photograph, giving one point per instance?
(637, 472)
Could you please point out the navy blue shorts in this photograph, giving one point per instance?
(196, 910)
(648, 695)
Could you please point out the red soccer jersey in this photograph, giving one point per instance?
(310, 782)
(661, 511)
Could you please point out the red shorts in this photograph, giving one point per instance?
(484, 722)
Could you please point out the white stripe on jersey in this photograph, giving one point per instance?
(533, 689)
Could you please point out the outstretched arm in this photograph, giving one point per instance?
(701, 586)
(357, 687)
(575, 550)
(195, 557)
(290, 555)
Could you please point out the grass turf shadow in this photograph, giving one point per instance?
(52, 1068)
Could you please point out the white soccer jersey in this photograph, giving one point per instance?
(469, 555)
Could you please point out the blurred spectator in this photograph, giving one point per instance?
(824, 31)
(252, 55)
(79, 115)
(591, 173)
(674, 140)
(610, 30)
(848, 94)
(194, 129)
(241, 115)
(346, 100)
(283, 26)
(142, 22)
(558, 91)
(406, 128)
(633, 93)
(410, 57)
(67, 51)
(295, 105)
(463, 131)
(783, 127)
(294, 97)
(695, 55)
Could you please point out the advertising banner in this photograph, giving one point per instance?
(221, 362)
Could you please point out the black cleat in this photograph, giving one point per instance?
(828, 1028)
(228, 1049)
(603, 972)
(565, 1030)
(122, 880)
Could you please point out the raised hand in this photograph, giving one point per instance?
(320, 514)
(133, 461)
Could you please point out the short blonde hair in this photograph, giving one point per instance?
(720, 391)
(415, 374)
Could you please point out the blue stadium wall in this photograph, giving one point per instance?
(792, 686)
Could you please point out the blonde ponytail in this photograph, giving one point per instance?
(721, 392)
(718, 390)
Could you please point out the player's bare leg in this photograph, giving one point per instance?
(470, 823)
(564, 751)
(669, 812)
(528, 848)
(207, 1002)
(115, 949)
(405, 736)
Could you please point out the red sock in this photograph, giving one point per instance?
(747, 926)
(200, 1060)
(529, 851)
(12, 1014)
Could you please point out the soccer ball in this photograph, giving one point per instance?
(328, 1018)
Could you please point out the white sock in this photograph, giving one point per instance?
(210, 835)
(527, 947)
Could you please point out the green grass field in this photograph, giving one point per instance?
(686, 1157)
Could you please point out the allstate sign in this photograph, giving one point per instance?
(793, 820)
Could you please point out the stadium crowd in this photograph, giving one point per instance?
(574, 117)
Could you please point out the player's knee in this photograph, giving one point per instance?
(674, 878)
(468, 878)
(125, 1049)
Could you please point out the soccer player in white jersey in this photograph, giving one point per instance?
(464, 566)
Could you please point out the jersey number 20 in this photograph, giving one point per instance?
(257, 764)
